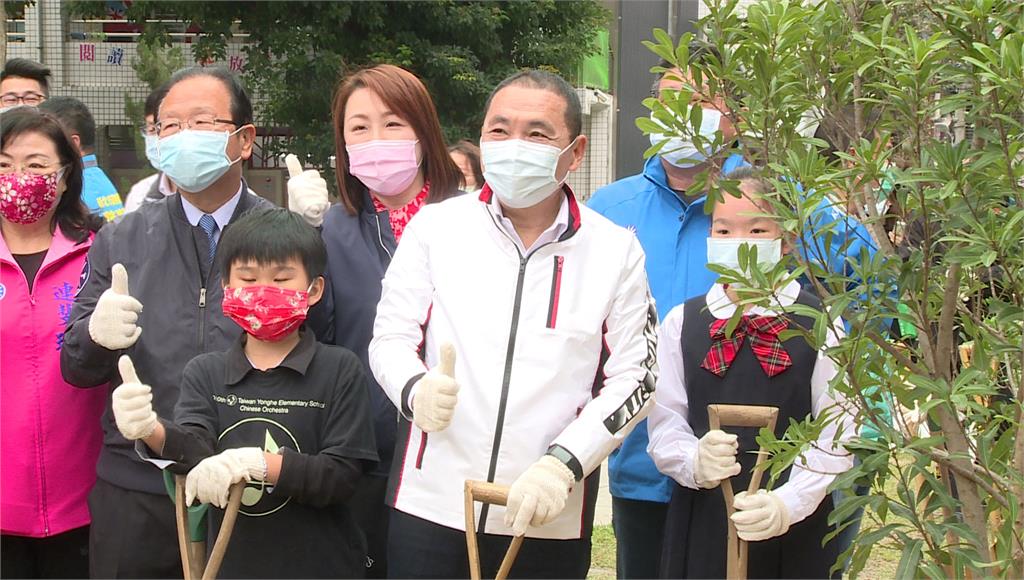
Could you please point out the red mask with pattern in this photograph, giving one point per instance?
(26, 197)
(266, 313)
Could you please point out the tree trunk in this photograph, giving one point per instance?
(972, 506)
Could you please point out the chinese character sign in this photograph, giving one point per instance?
(86, 53)
(116, 56)
(65, 296)
(236, 63)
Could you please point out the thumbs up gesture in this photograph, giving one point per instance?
(436, 394)
(113, 324)
(133, 404)
(307, 192)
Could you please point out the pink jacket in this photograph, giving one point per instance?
(49, 431)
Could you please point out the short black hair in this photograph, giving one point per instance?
(75, 117)
(838, 130)
(28, 69)
(273, 235)
(241, 106)
(541, 79)
(152, 106)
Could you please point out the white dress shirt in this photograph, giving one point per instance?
(222, 215)
(551, 234)
(673, 446)
(137, 194)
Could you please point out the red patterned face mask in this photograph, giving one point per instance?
(266, 313)
(25, 197)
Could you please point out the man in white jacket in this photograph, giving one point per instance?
(516, 335)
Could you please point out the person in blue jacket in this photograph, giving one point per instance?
(672, 228)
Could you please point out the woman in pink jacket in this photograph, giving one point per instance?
(49, 431)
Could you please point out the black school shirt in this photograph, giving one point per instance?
(313, 410)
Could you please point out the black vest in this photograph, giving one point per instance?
(745, 382)
(695, 524)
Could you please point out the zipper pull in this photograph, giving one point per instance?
(202, 297)
(522, 266)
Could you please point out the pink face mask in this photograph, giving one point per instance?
(386, 167)
(25, 197)
(266, 313)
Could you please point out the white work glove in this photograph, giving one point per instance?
(113, 321)
(538, 495)
(715, 459)
(307, 192)
(133, 404)
(436, 393)
(759, 516)
(211, 480)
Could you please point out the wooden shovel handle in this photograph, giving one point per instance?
(193, 570)
(740, 416)
(181, 518)
(486, 492)
(227, 525)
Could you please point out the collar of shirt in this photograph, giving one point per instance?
(721, 306)
(554, 231)
(89, 161)
(238, 365)
(164, 185)
(223, 214)
(399, 218)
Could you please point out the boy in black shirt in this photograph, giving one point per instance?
(278, 410)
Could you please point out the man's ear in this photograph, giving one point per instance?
(316, 290)
(248, 138)
(77, 140)
(578, 150)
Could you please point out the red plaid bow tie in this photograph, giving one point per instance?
(764, 340)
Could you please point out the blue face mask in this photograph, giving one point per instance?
(152, 152)
(193, 160)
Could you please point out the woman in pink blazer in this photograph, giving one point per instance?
(49, 431)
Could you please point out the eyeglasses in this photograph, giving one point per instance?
(148, 129)
(168, 127)
(33, 167)
(30, 98)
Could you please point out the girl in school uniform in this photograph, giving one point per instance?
(699, 366)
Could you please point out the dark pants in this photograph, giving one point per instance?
(371, 515)
(418, 548)
(639, 529)
(133, 534)
(64, 555)
(696, 535)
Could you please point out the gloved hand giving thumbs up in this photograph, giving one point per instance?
(436, 394)
(307, 192)
(113, 324)
(133, 404)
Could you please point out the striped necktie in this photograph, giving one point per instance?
(209, 226)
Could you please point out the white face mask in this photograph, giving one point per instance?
(726, 252)
(680, 151)
(521, 173)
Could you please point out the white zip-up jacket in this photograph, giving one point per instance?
(554, 348)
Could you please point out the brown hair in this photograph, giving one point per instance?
(472, 154)
(406, 96)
